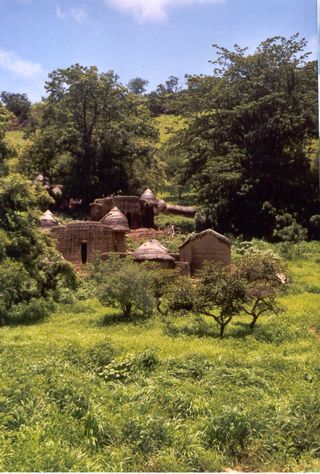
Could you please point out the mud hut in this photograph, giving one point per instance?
(139, 212)
(207, 245)
(80, 242)
(148, 195)
(153, 251)
(116, 220)
(47, 220)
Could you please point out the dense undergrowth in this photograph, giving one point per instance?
(86, 391)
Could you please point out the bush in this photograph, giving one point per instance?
(125, 284)
(28, 313)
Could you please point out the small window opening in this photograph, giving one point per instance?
(84, 252)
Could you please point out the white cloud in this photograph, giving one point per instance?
(152, 10)
(79, 15)
(59, 12)
(11, 62)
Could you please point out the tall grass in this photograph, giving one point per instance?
(84, 391)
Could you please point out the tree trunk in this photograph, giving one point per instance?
(253, 322)
(127, 310)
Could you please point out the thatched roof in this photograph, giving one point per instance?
(148, 195)
(204, 233)
(116, 219)
(188, 211)
(48, 220)
(152, 250)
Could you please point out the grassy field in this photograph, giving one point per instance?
(86, 391)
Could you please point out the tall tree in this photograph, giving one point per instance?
(245, 152)
(18, 104)
(137, 85)
(92, 134)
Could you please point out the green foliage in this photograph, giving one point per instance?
(4, 149)
(249, 401)
(18, 104)
(94, 137)
(287, 229)
(246, 152)
(137, 85)
(30, 266)
(125, 284)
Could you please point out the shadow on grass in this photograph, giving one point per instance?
(111, 319)
(200, 328)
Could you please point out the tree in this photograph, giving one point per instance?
(4, 150)
(18, 104)
(220, 295)
(264, 274)
(138, 85)
(245, 152)
(216, 293)
(30, 265)
(92, 135)
(125, 284)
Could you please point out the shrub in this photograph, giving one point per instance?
(124, 284)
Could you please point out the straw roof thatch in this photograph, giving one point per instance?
(204, 233)
(48, 220)
(152, 250)
(116, 219)
(148, 195)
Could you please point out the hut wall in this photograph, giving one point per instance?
(120, 241)
(81, 242)
(130, 206)
(205, 248)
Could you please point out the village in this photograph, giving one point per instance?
(113, 218)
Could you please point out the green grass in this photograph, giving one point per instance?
(17, 143)
(86, 391)
(168, 125)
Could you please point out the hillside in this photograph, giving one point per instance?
(84, 391)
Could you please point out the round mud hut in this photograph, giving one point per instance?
(153, 251)
(148, 195)
(48, 220)
(116, 220)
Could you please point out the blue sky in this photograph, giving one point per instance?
(149, 38)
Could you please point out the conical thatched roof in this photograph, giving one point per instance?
(48, 220)
(148, 195)
(152, 250)
(116, 219)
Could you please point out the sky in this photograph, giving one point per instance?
(152, 39)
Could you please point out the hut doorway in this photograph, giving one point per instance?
(84, 252)
(148, 217)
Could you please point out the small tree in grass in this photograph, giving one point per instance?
(264, 274)
(125, 284)
(250, 286)
(220, 294)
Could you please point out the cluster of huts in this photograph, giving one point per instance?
(113, 217)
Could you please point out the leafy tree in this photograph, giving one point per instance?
(30, 265)
(4, 149)
(18, 104)
(92, 134)
(245, 152)
(125, 284)
(137, 85)
(264, 274)
(220, 295)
